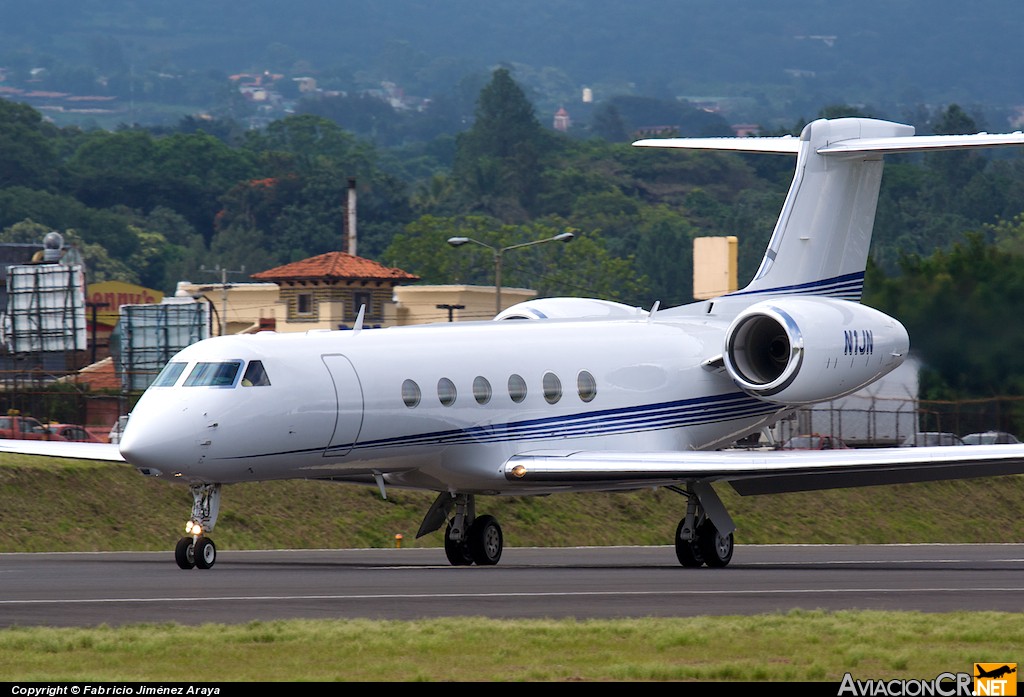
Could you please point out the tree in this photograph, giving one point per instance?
(582, 268)
(498, 162)
(955, 304)
(28, 154)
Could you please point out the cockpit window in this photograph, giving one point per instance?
(169, 375)
(255, 375)
(220, 374)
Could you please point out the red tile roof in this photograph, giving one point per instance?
(98, 376)
(334, 265)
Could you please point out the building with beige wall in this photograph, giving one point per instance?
(425, 304)
(327, 291)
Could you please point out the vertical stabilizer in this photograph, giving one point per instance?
(820, 243)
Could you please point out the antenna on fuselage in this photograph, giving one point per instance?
(359, 318)
(654, 308)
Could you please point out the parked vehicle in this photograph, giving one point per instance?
(74, 432)
(927, 438)
(814, 442)
(24, 428)
(117, 429)
(990, 437)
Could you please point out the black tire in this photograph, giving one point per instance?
(715, 548)
(485, 541)
(205, 553)
(457, 552)
(184, 553)
(688, 551)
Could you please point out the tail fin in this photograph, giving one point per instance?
(820, 243)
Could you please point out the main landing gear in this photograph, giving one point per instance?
(195, 549)
(468, 539)
(698, 540)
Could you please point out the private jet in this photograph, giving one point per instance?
(562, 395)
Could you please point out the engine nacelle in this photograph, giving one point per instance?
(570, 308)
(801, 350)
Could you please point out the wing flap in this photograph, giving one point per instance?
(763, 472)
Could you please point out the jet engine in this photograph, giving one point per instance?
(800, 350)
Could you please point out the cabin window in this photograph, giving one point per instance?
(481, 390)
(586, 385)
(411, 393)
(255, 375)
(517, 388)
(446, 391)
(170, 374)
(552, 388)
(219, 374)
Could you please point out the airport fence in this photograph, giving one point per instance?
(891, 421)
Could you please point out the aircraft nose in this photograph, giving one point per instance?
(158, 438)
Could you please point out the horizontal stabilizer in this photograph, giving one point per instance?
(790, 145)
(785, 144)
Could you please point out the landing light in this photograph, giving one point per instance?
(519, 471)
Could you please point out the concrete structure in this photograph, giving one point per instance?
(426, 304)
(247, 307)
(714, 266)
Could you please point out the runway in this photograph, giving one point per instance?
(86, 589)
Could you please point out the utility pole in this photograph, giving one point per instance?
(224, 293)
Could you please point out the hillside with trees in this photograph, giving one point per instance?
(153, 206)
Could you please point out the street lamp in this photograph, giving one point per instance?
(499, 252)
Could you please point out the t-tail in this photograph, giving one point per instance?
(820, 243)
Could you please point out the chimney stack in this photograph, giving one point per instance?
(351, 215)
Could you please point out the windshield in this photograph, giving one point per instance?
(220, 374)
(169, 375)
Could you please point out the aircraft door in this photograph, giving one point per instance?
(349, 394)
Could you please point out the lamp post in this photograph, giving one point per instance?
(499, 253)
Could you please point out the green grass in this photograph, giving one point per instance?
(82, 506)
(798, 646)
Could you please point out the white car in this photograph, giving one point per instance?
(990, 437)
(117, 429)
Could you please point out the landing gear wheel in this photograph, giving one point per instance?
(457, 552)
(485, 541)
(688, 552)
(184, 553)
(715, 548)
(205, 553)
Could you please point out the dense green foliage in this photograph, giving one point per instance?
(154, 207)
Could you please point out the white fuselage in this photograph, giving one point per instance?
(439, 406)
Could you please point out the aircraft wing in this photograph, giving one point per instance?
(766, 472)
(107, 452)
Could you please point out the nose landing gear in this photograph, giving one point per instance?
(195, 550)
